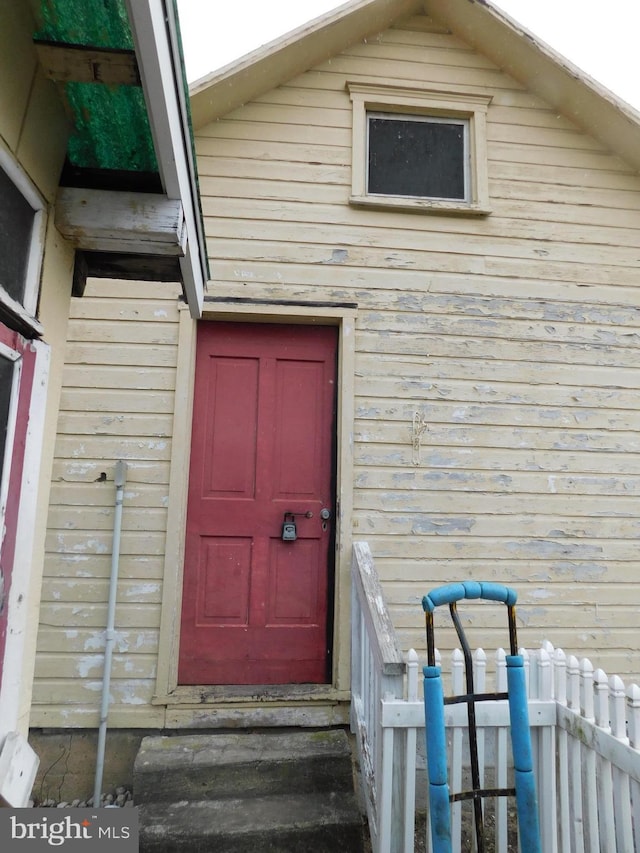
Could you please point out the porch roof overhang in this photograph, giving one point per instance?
(481, 24)
(129, 197)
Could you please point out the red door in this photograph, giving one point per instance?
(255, 608)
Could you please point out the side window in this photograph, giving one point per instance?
(419, 150)
(418, 156)
(9, 376)
(21, 240)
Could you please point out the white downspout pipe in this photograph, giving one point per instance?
(110, 634)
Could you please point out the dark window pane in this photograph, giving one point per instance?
(416, 158)
(6, 384)
(16, 223)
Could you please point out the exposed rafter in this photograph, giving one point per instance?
(84, 64)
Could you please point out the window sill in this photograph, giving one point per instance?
(14, 316)
(419, 205)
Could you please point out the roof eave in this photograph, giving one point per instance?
(283, 59)
(511, 47)
(157, 47)
(545, 72)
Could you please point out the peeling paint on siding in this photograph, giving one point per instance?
(443, 526)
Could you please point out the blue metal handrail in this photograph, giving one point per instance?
(516, 695)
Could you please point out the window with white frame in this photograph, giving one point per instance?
(9, 379)
(419, 150)
(21, 243)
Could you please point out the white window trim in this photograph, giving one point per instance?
(17, 671)
(26, 310)
(373, 98)
(5, 463)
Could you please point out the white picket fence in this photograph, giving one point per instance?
(585, 732)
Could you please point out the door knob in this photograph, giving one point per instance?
(325, 514)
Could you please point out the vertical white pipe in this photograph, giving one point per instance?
(110, 634)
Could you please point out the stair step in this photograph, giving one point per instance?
(300, 823)
(216, 766)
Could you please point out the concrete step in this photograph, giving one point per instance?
(209, 767)
(242, 792)
(302, 823)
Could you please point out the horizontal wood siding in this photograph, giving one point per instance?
(513, 338)
(117, 403)
(512, 341)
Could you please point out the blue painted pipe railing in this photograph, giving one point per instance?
(439, 795)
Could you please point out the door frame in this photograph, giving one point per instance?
(16, 666)
(168, 692)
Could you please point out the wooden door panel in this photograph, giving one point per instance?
(298, 450)
(295, 587)
(255, 608)
(225, 567)
(229, 435)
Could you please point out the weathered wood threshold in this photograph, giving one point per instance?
(256, 694)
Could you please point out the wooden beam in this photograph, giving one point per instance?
(123, 266)
(123, 222)
(78, 63)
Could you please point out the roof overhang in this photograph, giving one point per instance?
(511, 47)
(544, 71)
(129, 197)
(281, 60)
(156, 37)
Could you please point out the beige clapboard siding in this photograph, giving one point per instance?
(85, 640)
(493, 459)
(508, 483)
(492, 621)
(451, 413)
(541, 555)
(550, 297)
(91, 589)
(356, 259)
(481, 436)
(270, 221)
(563, 265)
(597, 535)
(91, 666)
(90, 470)
(606, 209)
(93, 615)
(144, 355)
(510, 235)
(117, 403)
(100, 518)
(64, 693)
(67, 566)
(620, 224)
(502, 402)
(513, 235)
(85, 716)
(148, 378)
(86, 494)
(593, 515)
(514, 336)
(506, 441)
(430, 337)
(109, 400)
